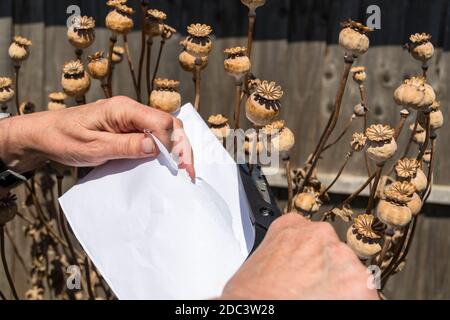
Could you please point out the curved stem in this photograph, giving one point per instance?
(197, 84)
(5, 263)
(87, 268)
(374, 188)
(411, 137)
(427, 191)
(347, 126)
(158, 62)
(333, 121)
(347, 158)
(16, 74)
(147, 67)
(130, 64)
(358, 191)
(112, 42)
(237, 107)
(144, 5)
(78, 54)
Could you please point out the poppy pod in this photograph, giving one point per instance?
(358, 141)
(8, 208)
(81, 33)
(406, 168)
(381, 145)
(154, 22)
(359, 74)
(119, 18)
(75, 81)
(393, 210)
(165, 96)
(415, 93)
(187, 61)
(365, 235)
(19, 48)
(427, 156)
(27, 107)
(436, 117)
(253, 4)
(56, 101)
(98, 65)
(168, 32)
(236, 63)
(420, 47)
(219, 126)
(415, 204)
(264, 104)
(6, 90)
(419, 135)
(198, 43)
(117, 55)
(420, 181)
(281, 138)
(353, 37)
(359, 110)
(306, 202)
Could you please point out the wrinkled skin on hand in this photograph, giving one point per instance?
(300, 259)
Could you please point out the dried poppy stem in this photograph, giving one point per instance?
(16, 250)
(357, 192)
(112, 42)
(237, 107)
(411, 138)
(87, 268)
(147, 67)
(287, 162)
(62, 222)
(16, 75)
(427, 191)
(2, 296)
(347, 158)
(78, 53)
(158, 61)
(424, 147)
(198, 63)
(424, 70)
(347, 126)
(374, 188)
(130, 64)
(144, 5)
(250, 32)
(331, 123)
(384, 250)
(366, 158)
(398, 249)
(81, 100)
(401, 125)
(5, 263)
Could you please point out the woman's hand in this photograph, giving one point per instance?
(300, 259)
(92, 134)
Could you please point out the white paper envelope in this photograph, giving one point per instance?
(152, 233)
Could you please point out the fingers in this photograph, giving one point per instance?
(129, 146)
(183, 149)
(135, 117)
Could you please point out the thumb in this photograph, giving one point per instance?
(130, 146)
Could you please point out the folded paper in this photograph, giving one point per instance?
(153, 233)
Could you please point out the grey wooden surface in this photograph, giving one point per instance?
(296, 46)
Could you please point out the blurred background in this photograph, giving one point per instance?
(296, 46)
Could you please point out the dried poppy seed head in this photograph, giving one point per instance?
(420, 38)
(119, 18)
(235, 52)
(359, 74)
(168, 32)
(253, 4)
(273, 127)
(166, 84)
(96, 56)
(156, 14)
(400, 192)
(22, 41)
(8, 208)
(357, 26)
(83, 23)
(5, 83)
(407, 168)
(217, 120)
(57, 96)
(358, 141)
(369, 226)
(269, 91)
(27, 107)
(118, 53)
(73, 67)
(379, 133)
(199, 30)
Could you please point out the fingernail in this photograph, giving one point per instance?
(148, 146)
